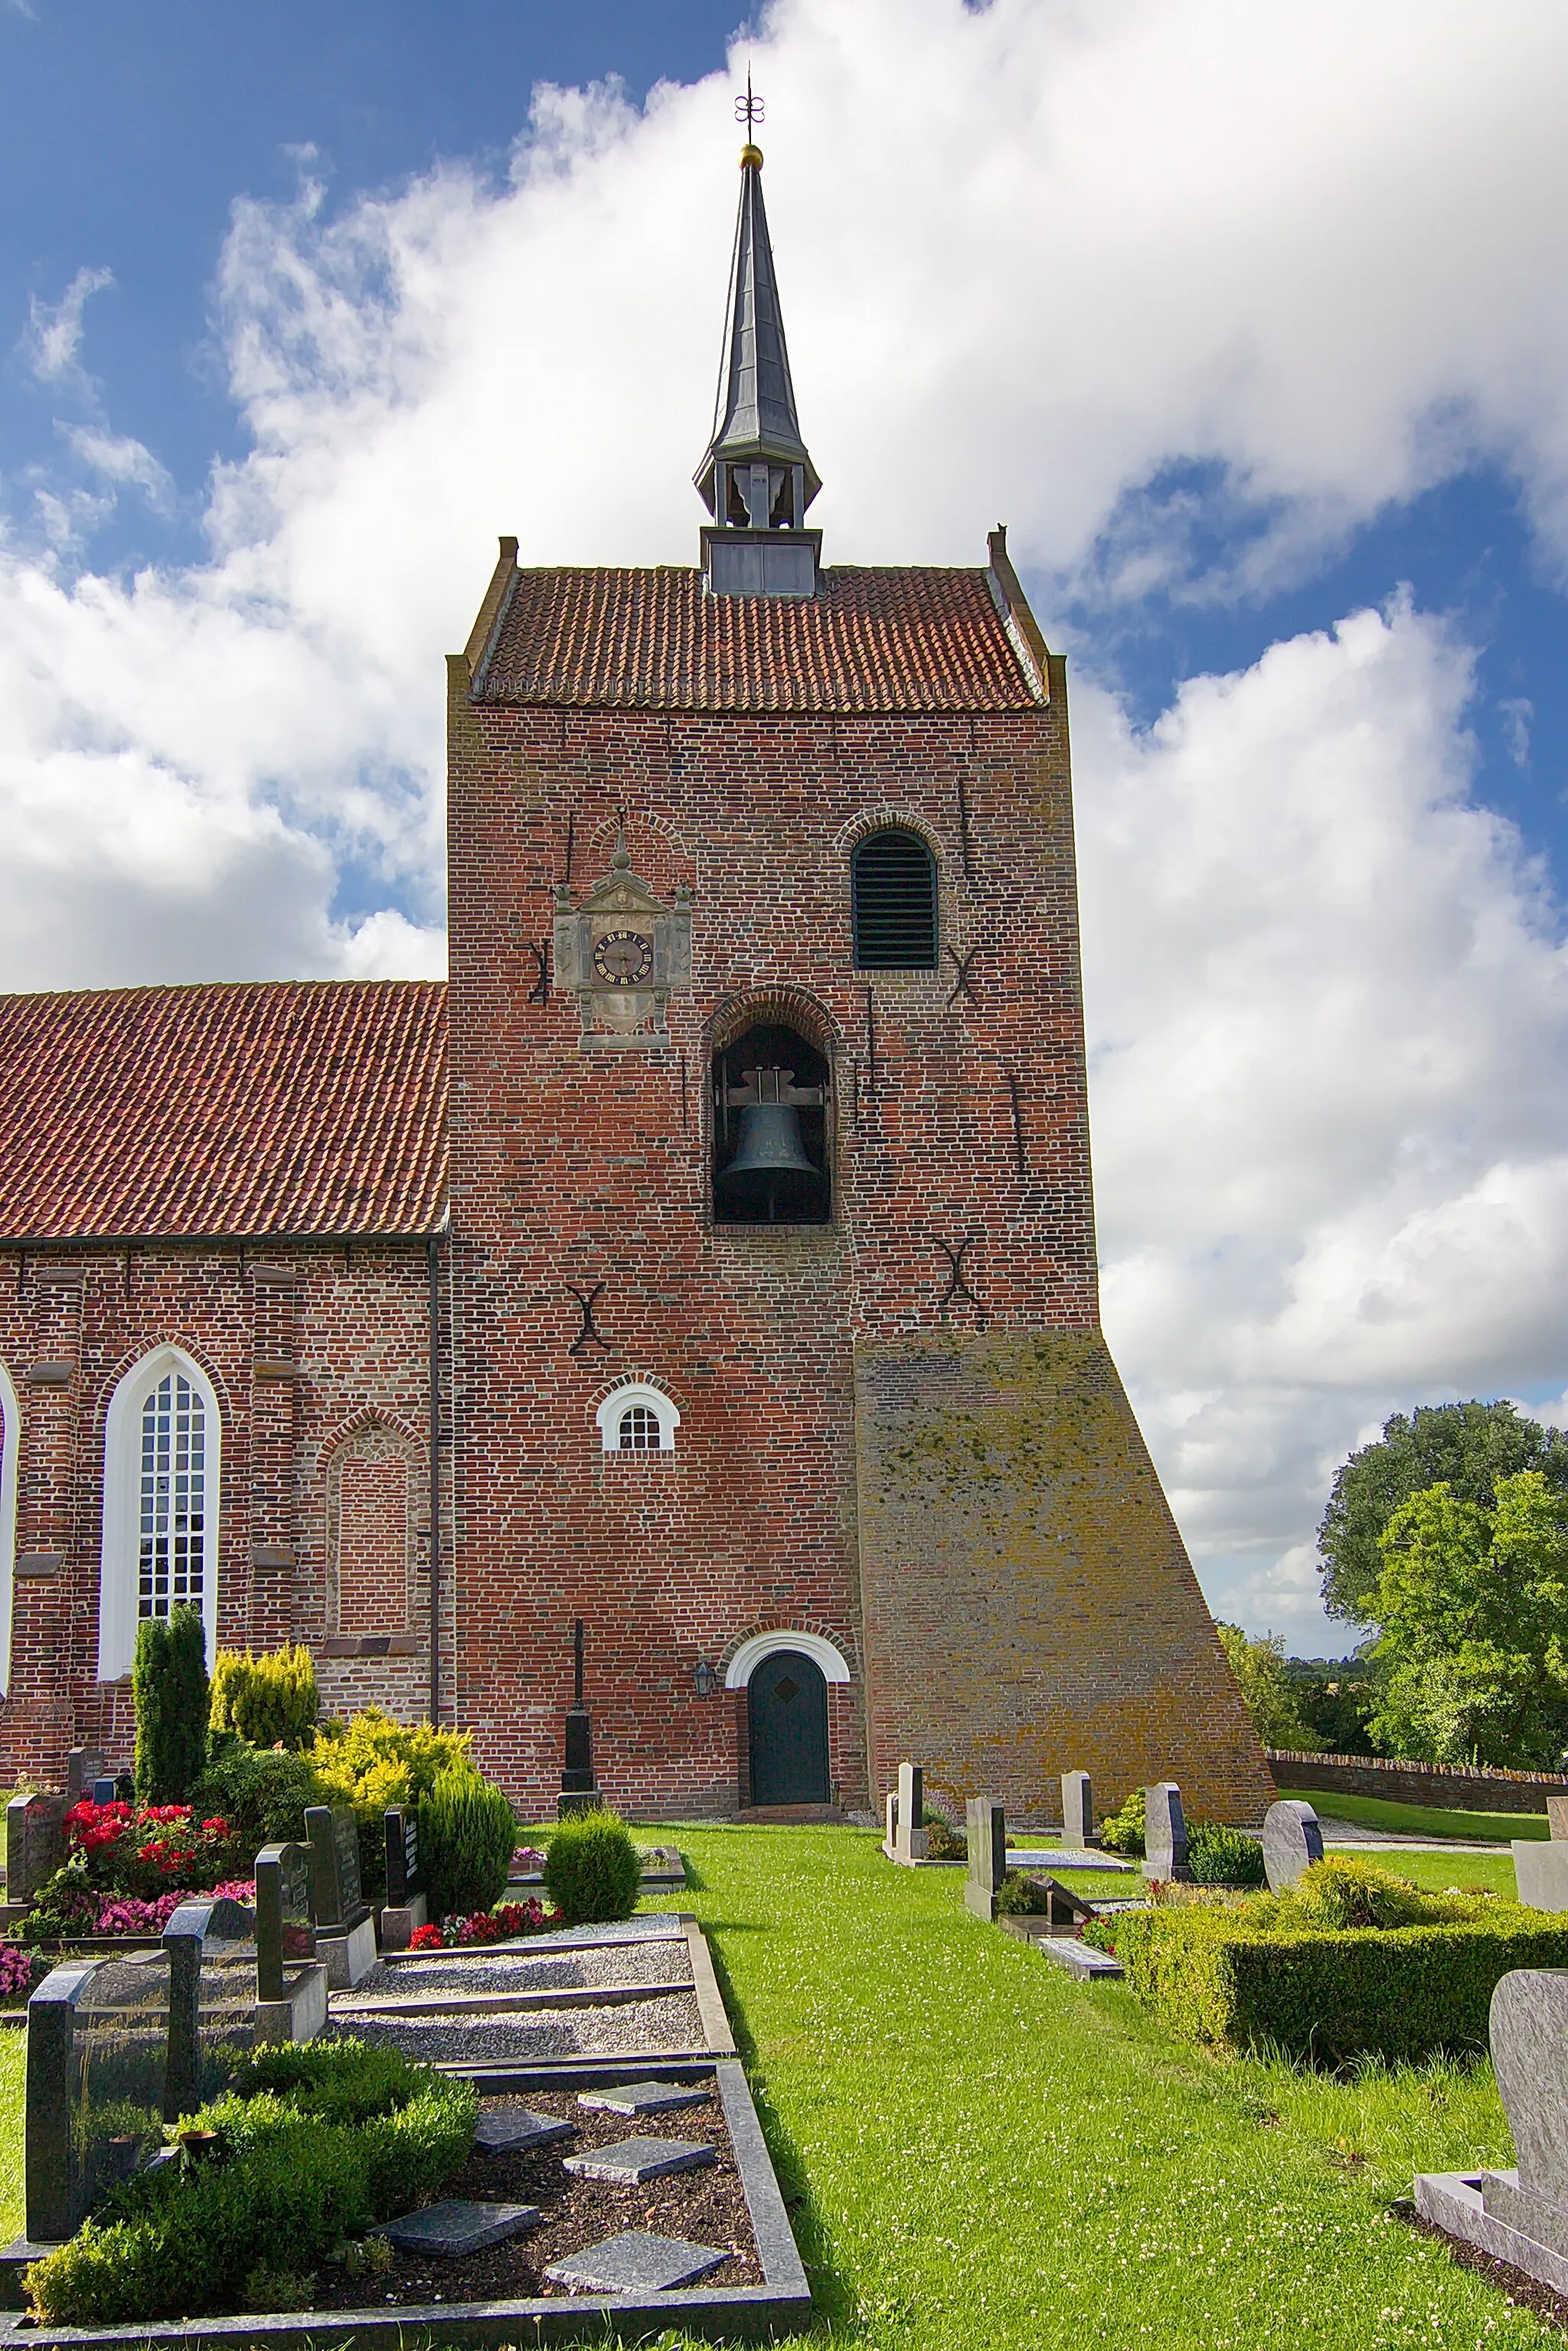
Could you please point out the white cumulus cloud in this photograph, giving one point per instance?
(1184, 289)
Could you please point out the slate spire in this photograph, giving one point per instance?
(758, 473)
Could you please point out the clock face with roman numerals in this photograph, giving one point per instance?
(623, 958)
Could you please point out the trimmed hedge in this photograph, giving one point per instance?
(315, 2146)
(1396, 1992)
(593, 1870)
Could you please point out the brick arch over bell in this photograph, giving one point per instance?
(786, 1008)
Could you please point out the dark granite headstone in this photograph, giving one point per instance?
(334, 1839)
(913, 1839)
(1293, 1841)
(630, 2161)
(105, 1791)
(83, 1766)
(285, 1928)
(1077, 1813)
(98, 2055)
(635, 2261)
(1164, 1834)
(403, 1878)
(213, 1970)
(35, 1843)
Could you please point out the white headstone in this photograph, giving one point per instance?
(1077, 1811)
(1293, 1841)
(1529, 2035)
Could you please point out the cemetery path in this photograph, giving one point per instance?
(980, 2153)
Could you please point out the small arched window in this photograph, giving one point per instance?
(638, 1431)
(893, 901)
(637, 1417)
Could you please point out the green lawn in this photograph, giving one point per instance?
(13, 2070)
(979, 2152)
(1425, 1820)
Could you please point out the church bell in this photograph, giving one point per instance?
(771, 1144)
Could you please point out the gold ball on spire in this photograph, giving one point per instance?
(750, 158)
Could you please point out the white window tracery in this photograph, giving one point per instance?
(637, 1417)
(161, 1448)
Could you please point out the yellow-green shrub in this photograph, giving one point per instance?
(271, 1701)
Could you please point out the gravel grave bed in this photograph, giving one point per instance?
(476, 1972)
(540, 2032)
(706, 2207)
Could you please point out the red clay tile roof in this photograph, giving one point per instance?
(314, 1106)
(870, 640)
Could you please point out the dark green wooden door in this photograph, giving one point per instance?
(788, 1707)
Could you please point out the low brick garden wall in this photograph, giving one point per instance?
(1478, 1789)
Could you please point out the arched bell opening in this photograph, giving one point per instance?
(771, 1129)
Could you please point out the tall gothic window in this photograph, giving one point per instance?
(893, 900)
(162, 1437)
(174, 1498)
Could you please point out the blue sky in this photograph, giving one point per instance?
(1249, 324)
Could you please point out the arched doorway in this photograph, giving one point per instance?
(786, 1709)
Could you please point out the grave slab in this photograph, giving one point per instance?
(456, 2228)
(512, 2127)
(635, 2261)
(643, 2098)
(1075, 1958)
(1064, 1856)
(630, 2161)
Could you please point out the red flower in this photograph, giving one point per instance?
(425, 1939)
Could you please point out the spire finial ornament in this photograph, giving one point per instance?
(756, 479)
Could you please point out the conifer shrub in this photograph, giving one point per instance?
(169, 1687)
(271, 1701)
(466, 1832)
(261, 1793)
(593, 1870)
(370, 1762)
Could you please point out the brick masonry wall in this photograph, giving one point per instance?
(960, 1121)
(1477, 1790)
(311, 1348)
(1029, 1609)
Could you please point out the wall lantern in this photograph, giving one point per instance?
(704, 1677)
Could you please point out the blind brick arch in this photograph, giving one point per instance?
(371, 1505)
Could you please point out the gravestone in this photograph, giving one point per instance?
(1293, 1841)
(1540, 1872)
(213, 1970)
(105, 1791)
(910, 1840)
(635, 2260)
(96, 2068)
(890, 1839)
(579, 1787)
(985, 1830)
(406, 1905)
(83, 1766)
(1529, 2035)
(345, 1930)
(1164, 1834)
(290, 1986)
(508, 2129)
(1557, 1816)
(1077, 1813)
(632, 2161)
(454, 2228)
(644, 2097)
(35, 1843)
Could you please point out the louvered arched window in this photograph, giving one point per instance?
(892, 899)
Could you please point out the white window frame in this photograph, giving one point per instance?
(120, 1574)
(751, 1654)
(10, 1450)
(620, 1400)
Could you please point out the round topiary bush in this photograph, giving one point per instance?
(593, 1870)
(1219, 1855)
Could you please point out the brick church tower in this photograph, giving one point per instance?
(776, 1347)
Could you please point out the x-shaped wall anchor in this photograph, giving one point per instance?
(588, 1299)
(540, 950)
(963, 984)
(956, 1285)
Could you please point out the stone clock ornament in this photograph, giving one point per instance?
(620, 953)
